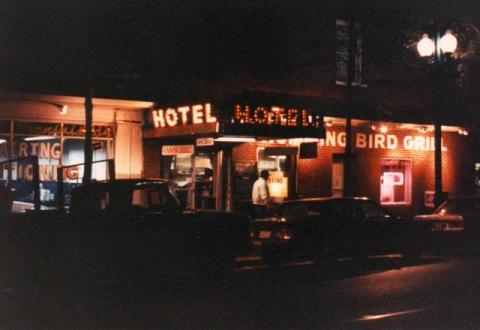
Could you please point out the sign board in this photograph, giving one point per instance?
(429, 198)
(183, 115)
(273, 121)
(343, 36)
(186, 149)
(278, 185)
(204, 142)
(52, 129)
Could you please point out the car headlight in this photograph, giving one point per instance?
(284, 234)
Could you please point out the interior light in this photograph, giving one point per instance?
(40, 138)
(235, 139)
(62, 108)
(383, 129)
(2, 141)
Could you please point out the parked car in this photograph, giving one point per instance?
(327, 228)
(128, 226)
(454, 223)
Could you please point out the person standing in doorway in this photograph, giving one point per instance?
(261, 195)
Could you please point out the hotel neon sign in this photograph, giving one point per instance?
(183, 115)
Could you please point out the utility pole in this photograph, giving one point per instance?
(347, 163)
(87, 170)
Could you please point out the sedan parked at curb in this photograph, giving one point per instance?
(454, 223)
(326, 228)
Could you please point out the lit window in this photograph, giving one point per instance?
(396, 182)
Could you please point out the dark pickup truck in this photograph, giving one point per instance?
(128, 225)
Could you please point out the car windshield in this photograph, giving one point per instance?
(297, 210)
(459, 206)
(153, 198)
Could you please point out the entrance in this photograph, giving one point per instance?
(191, 177)
(337, 175)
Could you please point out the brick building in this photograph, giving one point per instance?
(213, 152)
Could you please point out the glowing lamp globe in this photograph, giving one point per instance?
(448, 43)
(425, 46)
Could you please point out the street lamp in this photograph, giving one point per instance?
(437, 47)
(444, 45)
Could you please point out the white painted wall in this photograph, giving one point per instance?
(128, 152)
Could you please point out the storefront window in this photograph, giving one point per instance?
(32, 141)
(279, 168)
(73, 153)
(395, 182)
(191, 178)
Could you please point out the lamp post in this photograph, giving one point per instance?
(440, 48)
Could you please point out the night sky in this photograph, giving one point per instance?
(149, 49)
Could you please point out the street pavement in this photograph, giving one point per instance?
(384, 293)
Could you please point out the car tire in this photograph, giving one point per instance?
(411, 254)
(273, 257)
(326, 257)
(360, 257)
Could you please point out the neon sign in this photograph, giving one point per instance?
(276, 116)
(184, 115)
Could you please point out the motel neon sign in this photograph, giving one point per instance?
(275, 116)
(183, 115)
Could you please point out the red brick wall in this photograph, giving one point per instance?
(315, 175)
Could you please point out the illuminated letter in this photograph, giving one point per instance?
(270, 118)
(408, 142)
(242, 116)
(183, 114)
(157, 117)
(54, 172)
(34, 147)
(171, 117)
(44, 150)
(43, 169)
(197, 114)
(379, 141)
(28, 172)
(304, 118)
(330, 139)
(361, 140)
(208, 114)
(277, 114)
(419, 143)
(72, 173)
(260, 119)
(392, 142)
(55, 151)
(342, 139)
(292, 116)
(22, 149)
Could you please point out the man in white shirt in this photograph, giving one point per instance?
(261, 195)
